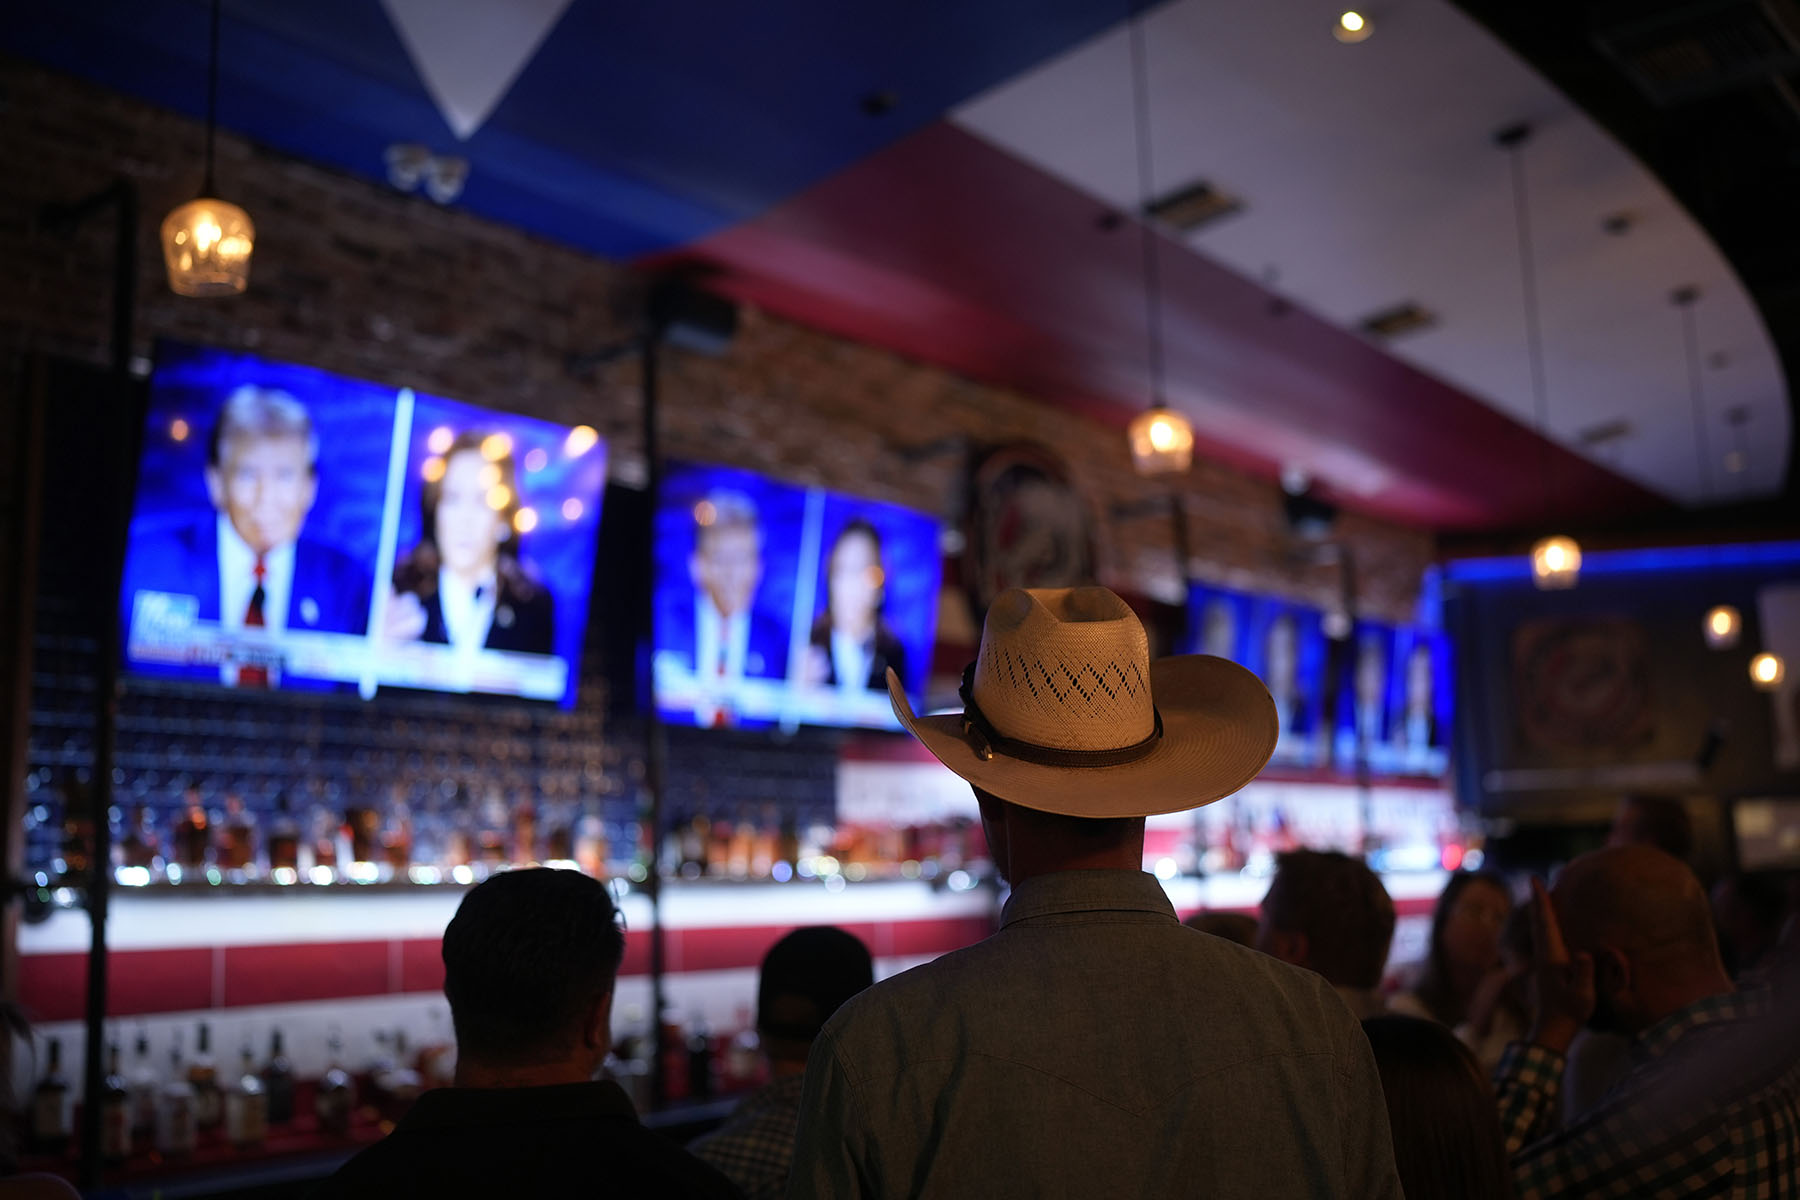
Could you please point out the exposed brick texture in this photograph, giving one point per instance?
(355, 278)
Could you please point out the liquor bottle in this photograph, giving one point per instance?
(524, 832)
(699, 1060)
(743, 1058)
(399, 1083)
(324, 838)
(284, 844)
(741, 847)
(335, 1098)
(436, 1062)
(396, 837)
(77, 844)
(145, 1083)
(138, 847)
(559, 833)
(176, 1128)
(364, 824)
(115, 1111)
(235, 852)
(247, 1106)
(203, 1077)
(192, 836)
(50, 1129)
(278, 1082)
(590, 842)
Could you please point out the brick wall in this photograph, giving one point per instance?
(355, 278)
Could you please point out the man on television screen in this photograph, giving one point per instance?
(250, 567)
(731, 640)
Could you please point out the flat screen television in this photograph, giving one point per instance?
(779, 605)
(1284, 644)
(1365, 691)
(297, 529)
(1420, 702)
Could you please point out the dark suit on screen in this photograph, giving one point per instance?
(525, 623)
(330, 591)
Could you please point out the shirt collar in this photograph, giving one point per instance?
(1086, 891)
(1657, 1040)
(473, 1108)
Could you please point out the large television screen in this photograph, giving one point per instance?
(297, 529)
(1284, 644)
(782, 605)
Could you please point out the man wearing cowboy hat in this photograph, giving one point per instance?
(1093, 1046)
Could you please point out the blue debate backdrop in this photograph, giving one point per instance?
(729, 538)
(373, 444)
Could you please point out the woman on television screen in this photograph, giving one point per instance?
(852, 646)
(464, 584)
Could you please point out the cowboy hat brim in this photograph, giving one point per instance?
(1219, 729)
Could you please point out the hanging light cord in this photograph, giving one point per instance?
(212, 97)
(1690, 334)
(1152, 277)
(1514, 140)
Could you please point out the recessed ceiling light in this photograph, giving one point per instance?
(1189, 207)
(1352, 27)
(1398, 321)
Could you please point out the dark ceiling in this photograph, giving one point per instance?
(1707, 94)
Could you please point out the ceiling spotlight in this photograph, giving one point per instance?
(1352, 27)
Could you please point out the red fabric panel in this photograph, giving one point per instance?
(421, 965)
(53, 987)
(938, 936)
(307, 971)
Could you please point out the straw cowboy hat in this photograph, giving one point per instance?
(1063, 711)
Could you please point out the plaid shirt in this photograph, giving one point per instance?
(1709, 1106)
(754, 1148)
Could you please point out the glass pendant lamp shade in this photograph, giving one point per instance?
(206, 246)
(1723, 624)
(1555, 563)
(1162, 442)
(1767, 671)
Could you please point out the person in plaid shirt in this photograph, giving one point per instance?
(805, 977)
(1710, 1102)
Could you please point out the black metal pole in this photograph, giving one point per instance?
(655, 742)
(123, 473)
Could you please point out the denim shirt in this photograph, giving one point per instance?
(1094, 1046)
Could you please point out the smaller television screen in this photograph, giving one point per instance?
(1420, 703)
(1286, 649)
(1218, 623)
(1765, 833)
(1363, 721)
(782, 605)
(297, 529)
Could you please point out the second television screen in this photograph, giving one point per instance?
(783, 605)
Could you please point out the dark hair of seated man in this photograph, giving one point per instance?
(530, 961)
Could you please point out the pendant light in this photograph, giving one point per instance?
(1162, 440)
(207, 241)
(1556, 560)
(1723, 623)
(1767, 671)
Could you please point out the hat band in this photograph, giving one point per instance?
(989, 741)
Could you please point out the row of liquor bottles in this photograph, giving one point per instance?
(229, 843)
(169, 1111)
(166, 1112)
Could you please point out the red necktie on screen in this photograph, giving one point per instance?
(721, 717)
(253, 619)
